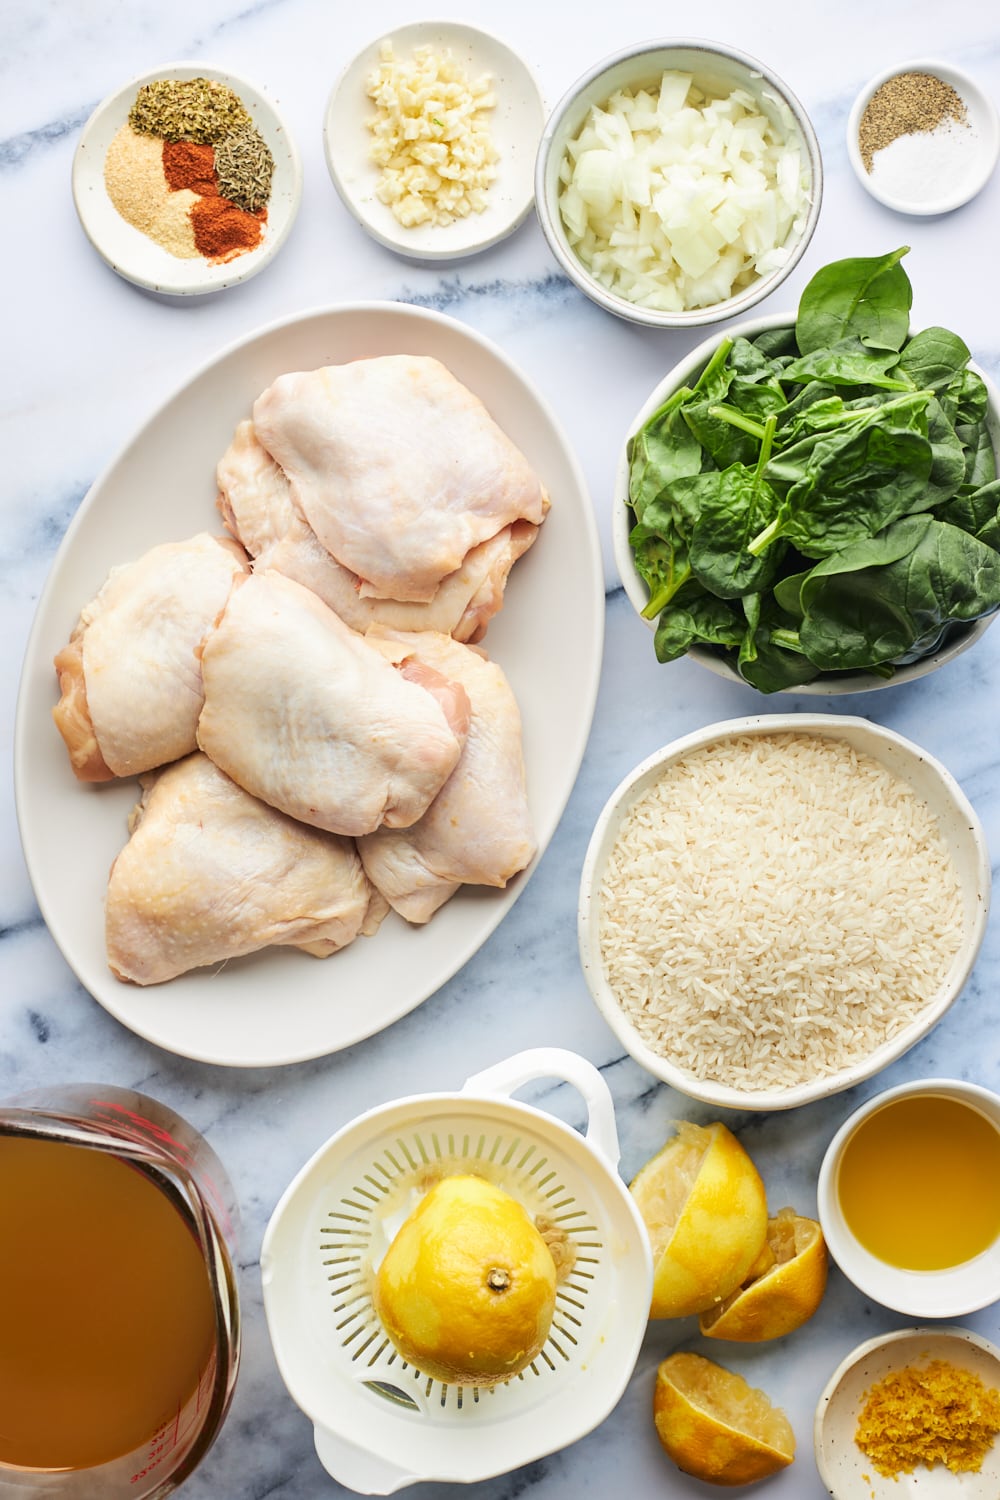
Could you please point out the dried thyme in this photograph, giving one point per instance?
(244, 167)
(195, 109)
(908, 104)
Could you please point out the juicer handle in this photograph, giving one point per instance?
(504, 1078)
(359, 1469)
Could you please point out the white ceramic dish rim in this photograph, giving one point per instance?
(465, 237)
(725, 1096)
(213, 278)
(35, 693)
(939, 1481)
(551, 224)
(951, 1293)
(833, 683)
(972, 94)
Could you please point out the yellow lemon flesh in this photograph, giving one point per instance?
(779, 1297)
(715, 1426)
(705, 1209)
(467, 1288)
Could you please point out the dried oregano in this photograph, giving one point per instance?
(194, 109)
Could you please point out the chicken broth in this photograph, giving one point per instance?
(107, 1319)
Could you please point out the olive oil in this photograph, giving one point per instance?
(919, 1182)
(107, 1320)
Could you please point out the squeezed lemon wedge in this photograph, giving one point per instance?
(782, 1291)
(717, 1427)
(705, 1210)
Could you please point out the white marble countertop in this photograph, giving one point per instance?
(86, 357)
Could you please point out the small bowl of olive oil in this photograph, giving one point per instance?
(909, 1198)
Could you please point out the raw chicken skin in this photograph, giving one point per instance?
(478, 829)
(256, 503)
(130, 677)
(303, 713)
(397, 467)
(210, 873)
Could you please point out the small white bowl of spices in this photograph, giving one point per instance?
(186, 180)
(923, 137)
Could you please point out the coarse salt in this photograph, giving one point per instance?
(925, 166)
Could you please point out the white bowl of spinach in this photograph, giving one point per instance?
(811, 502)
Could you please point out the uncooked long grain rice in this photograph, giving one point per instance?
(776, 906)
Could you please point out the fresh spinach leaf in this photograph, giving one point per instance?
(700, 621)
(980, 458)
(977, 512)
(966, 399)
(788, 593)
(662, 450)
(660, 540)
(947, 456)
(933, 358)
(849, 362)
(870, 603)
(840, 486)
(724, 441)
(733, 508)
(776, 343)
(864, 298)
(770, 656)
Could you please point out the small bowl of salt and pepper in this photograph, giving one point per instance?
(923, 137)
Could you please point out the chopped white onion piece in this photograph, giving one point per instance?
(675, 199)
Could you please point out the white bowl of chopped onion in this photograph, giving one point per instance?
(678, 183)
(774, 908)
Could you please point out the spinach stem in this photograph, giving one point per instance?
(788, 639)
(766, 444)
(737, 419)
(666, 592)
(763, 539)
(715, 363)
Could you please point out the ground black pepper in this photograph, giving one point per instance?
(908, 104)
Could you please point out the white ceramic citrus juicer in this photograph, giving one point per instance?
(381, 1424)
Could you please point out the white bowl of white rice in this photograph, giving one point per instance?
(678, 182)
(776, 907)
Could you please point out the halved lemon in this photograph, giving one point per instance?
(776, 1297)
(717, 1427)
(705, 1209)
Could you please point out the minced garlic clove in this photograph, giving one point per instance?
(431, 137)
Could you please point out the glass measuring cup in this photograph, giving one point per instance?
(151, 1151)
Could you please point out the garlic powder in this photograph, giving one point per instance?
(431, 137)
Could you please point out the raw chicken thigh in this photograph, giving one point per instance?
(397, 467)
(478, 829)
(130, 677)
(211, 873)
(258, 507)
(303, 713)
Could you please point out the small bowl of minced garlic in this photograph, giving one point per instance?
(187, 180)
(430, 137)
